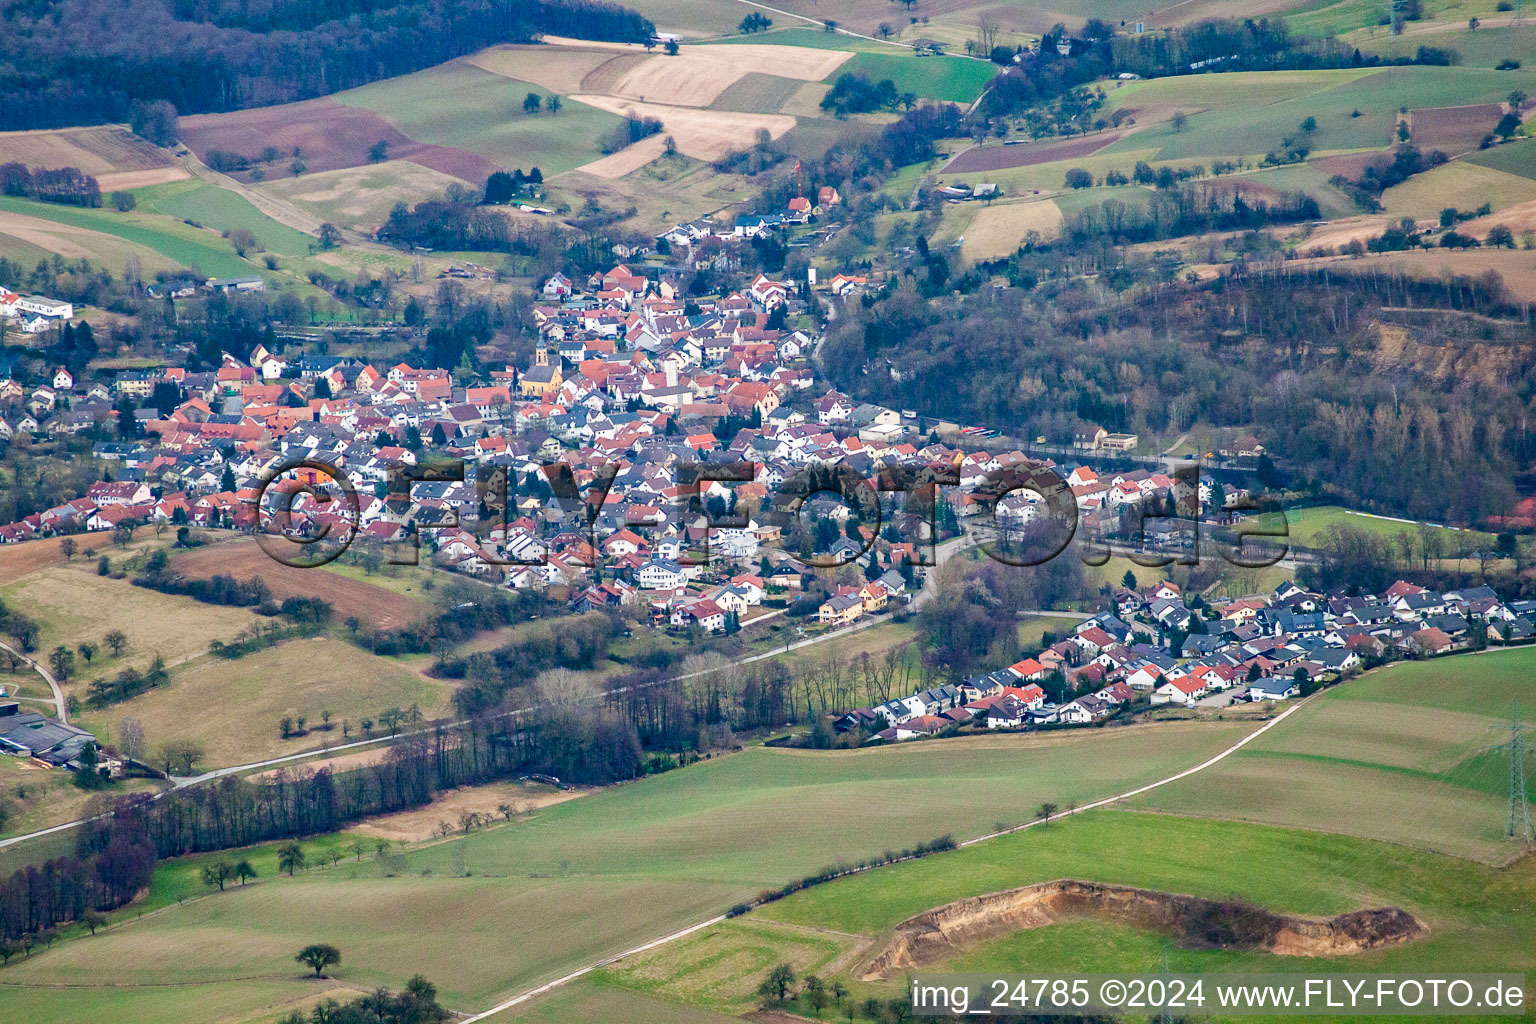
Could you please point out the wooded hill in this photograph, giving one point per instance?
(65, 62)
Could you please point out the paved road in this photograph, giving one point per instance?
(533, 993)
(53, 684)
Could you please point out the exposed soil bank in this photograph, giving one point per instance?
(937, 934)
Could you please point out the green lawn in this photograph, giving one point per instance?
(223, 210)
(186, 245)
(1482, 684)
(1484, 48)
(460, 105)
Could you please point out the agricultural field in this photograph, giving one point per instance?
(997, 230)
(110, 153)
(329, 134)
(1404, 754)
(758, 93)
(1248, 113)
(179, 243)
(462, 107)
(72, 604)
(951, 79)
(693, 18)
(349, 593)
(665, 190)
(632, 861)
(28, 239)
(1334, 17)
(1512, 158)
(1489, 46)
(1026, 154)
(223, 210)
(361, 197)
(1477, 914)
(598, 1001)
(233, 707)
(1309, 525)
(1463, 185)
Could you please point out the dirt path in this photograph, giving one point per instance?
(283, 212)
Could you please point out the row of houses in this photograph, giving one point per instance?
(1262, 648)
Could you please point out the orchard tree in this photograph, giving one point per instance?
(319, 956)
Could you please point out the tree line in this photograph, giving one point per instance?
(1295, 352)
(65, 185)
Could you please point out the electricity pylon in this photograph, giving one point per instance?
(1519, 826)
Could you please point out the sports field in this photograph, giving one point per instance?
(488, 914)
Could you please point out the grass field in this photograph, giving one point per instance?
(1310, 525)
(361, 197)
(1405, 754)
(72, 604)
(489, 914)
(1466, 186)
(233, 707)
(598, 1001)
(952, 79)
(39, 797)
(223, 210)
(28, 239)
(461, 106)
(694, 18)
(1513, 158)
(1485, 48)
(1477, 915)
(181, 244)
(999, 229)
(1248, 113)
(719, 967)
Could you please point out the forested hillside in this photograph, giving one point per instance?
(68, 62)
(1301, 353)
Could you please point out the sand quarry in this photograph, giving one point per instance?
(936, 935)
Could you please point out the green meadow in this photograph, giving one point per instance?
(188, 246)
(223, 210)
(460, 105)
(493, 913)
